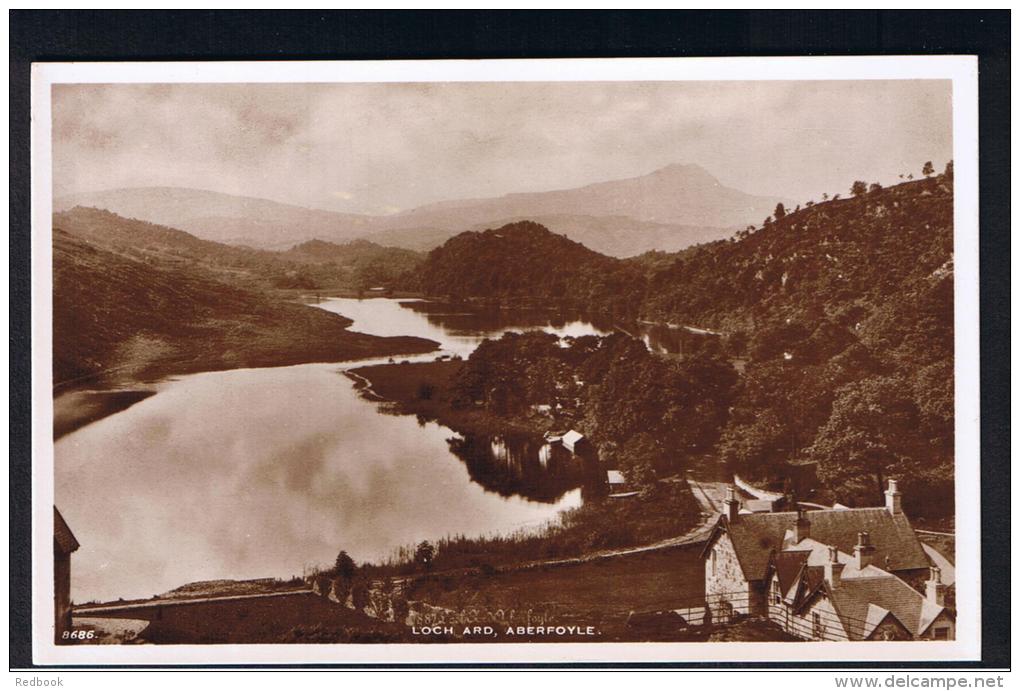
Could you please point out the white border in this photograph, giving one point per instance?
(962, 70)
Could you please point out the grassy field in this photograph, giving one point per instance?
(119, 319)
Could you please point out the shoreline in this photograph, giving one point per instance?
(77, 407)
(73, 410)
(401, 389)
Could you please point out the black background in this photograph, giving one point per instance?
(263, 35)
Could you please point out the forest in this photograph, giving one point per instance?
(648, 416)
(840, 314)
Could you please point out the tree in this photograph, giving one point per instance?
(949, 171)
(401, 608)
(825, 196)
(858, 188)
(780, 212)
(360, 596)
(874, 187)
(928, 169)
(641, 460)
(870, 432)
(345, 566)
(424, 554)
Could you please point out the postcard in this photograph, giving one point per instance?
(616, 360)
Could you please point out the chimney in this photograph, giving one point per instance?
(892, 499)
(934, 588)
(802, 526)
(833, 569)
(863, 551)
(732, 504)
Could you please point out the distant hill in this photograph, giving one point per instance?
(839, 313)
(315, 264)
(364, 264)
(355, 252)
(222, 217)
(119, 317)
(676, 194)
(616, 236)
(524, 260)
(669, 209)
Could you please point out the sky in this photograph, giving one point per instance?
(383, 148)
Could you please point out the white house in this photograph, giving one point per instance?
(833, 574)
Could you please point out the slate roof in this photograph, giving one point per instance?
(863, 599)
(63, 538)
(755, 536)
(859, 602)
(810, 581)
(788, 565)
(572, 437)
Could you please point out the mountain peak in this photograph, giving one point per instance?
(686, 172)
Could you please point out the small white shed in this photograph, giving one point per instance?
(572, 440)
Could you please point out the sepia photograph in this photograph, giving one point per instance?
(671, 355)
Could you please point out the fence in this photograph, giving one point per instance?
(818, 623)
(715, 611)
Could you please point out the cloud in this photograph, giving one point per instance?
(366, 147)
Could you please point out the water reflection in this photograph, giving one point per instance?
(668, 339)
(520, 465)
(457, 327)
(460, 327)
(255, 473)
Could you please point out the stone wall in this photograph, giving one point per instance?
(727, 593)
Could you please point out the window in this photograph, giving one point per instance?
(941, 633)
(817, 628)
(713, 561)
(777, 596)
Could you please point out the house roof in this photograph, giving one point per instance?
(615, 477)
(858, 602)
(755, 536)
(810, 580)
(63, 538)
(787, 566)
(863, 598)
(572, 437)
